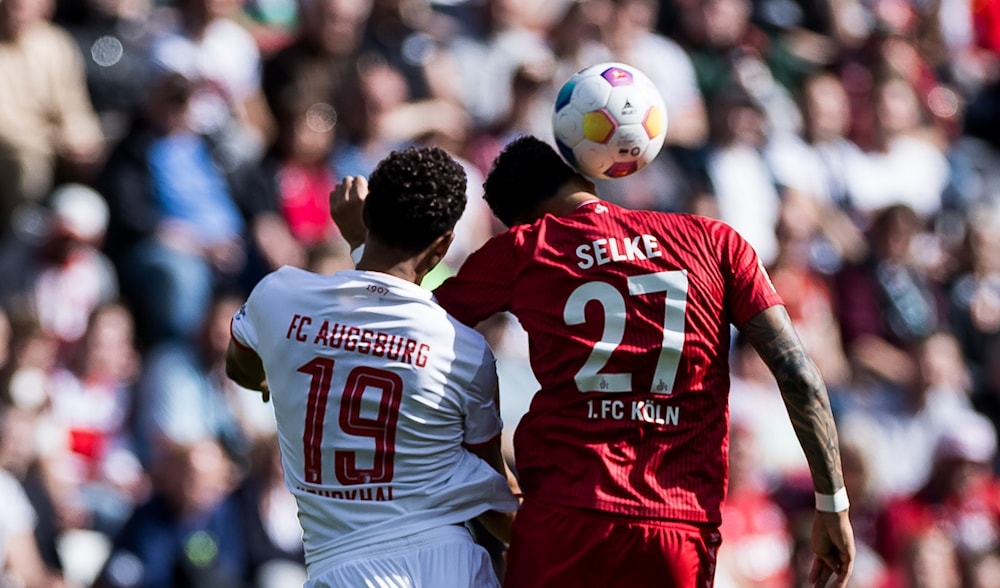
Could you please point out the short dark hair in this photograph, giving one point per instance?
(415, 195)
(528, 171)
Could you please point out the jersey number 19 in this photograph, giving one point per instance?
(382, 428)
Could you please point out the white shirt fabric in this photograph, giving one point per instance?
(670, 69)
(17, 517)
(445, 557)
(912, 171)
(224, 61)
(827, 172)
(748, 199)
(406, 386)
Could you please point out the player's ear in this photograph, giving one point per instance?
(442, 243)
(438, 248)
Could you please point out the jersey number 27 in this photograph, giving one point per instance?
(589, 378)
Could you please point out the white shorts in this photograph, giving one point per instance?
(444, 557)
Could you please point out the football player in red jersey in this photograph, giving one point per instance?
(622, 456)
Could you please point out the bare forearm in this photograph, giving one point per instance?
(245, 369)
(804, 393)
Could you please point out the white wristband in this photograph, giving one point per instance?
(836, 502)
(357, 252)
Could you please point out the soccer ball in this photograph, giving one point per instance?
(609, 120)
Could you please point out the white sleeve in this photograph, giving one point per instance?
(482, 411)
(242, 329)
(243, 326)
(17, 516)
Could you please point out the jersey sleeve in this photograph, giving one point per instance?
(483, 285)
(482, 409)
(750, 289)
(242, 327)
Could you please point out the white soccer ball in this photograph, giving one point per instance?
(609, 120)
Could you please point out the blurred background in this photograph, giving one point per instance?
(157, 158)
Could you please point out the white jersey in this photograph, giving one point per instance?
(375, 391)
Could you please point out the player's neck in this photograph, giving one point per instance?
(567, 200)
(402, 269)
(405, 265)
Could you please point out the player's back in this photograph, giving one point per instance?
(375, 389)
(628, 315)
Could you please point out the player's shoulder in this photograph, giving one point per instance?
(712, 227)
(464, 333)
(688, 220)
(283, 280)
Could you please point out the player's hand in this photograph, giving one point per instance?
(347, 208)
(833, 545)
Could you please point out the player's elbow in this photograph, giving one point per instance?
(237, 373)
(234, 373)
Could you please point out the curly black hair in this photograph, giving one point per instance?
(527, 172)
(415, 195)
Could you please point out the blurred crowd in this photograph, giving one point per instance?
(158, 157)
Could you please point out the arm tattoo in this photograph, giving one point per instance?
(803, 391)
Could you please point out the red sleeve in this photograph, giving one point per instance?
(484, 284)
(750, 289)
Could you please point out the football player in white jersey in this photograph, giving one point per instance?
(387, 409)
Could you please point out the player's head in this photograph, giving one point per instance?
(415, 196)
(526, 173)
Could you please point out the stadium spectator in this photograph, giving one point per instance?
(909, 164)
(92, 408)
(200, 40)
(176, 231)
(961, 499)
(20, 562)
(48, 130)
(886, 301)
(57, 273)
(487, 55)
(268, 520)
(313, 68)
(754, 400)
(624, 32)
(739, 176)
(758, 545)
(113, 37)
(183, 396)
(903, 425)
(806, 290)
(867, 508)
(409, 36)
(184, 534)
(974, 296)
(819, 170)
(730, 52)
(631, 38)
(287, 193)
(385, 118)
(931, 562)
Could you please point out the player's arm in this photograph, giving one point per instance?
(773, 336)
(347, 205)
(496, 522)
(245, 367)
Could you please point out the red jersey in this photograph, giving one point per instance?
(628, 315)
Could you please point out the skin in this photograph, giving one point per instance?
(771, 333)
